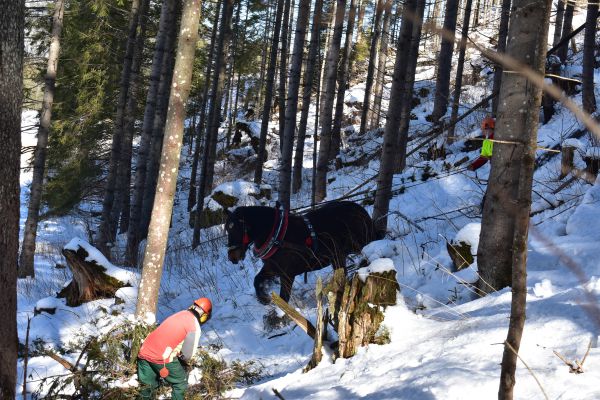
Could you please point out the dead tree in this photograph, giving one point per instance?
(39, 156)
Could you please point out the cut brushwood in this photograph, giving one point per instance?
(575, 366)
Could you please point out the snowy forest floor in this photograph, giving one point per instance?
(445, 340)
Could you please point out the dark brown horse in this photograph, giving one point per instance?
(290, 245)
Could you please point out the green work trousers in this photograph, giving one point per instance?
(149, 375)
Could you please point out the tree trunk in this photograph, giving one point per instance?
(210, 147)
(392, 125)
(309, 77)
(362, 5)
(270, 84)
(560, 12)
(406, 108)
(167, 18)
(366, 106)
(511, 177)
(502, 33)
(589, 45)
(517, 95)
(122, 190)
(333, 57)
(459, 69)
(39, 157)
(158, 125)
(285, 170)
(381, 61)
(105, 229)
(343, 79)
(283, 67)
(563, 51)
(11, 98)
(205, 103)
(169, 168)
(442, 83)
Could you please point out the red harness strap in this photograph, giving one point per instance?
(275, 238)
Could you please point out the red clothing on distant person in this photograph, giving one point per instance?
(177, 334)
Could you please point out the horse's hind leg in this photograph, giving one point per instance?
(285, 291)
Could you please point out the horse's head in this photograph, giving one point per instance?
(237, 236)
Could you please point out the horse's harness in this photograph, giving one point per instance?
(275, 239)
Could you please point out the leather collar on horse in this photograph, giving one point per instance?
(275, 239)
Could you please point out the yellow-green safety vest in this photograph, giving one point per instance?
(487, 148)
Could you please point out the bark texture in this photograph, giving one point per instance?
(393, 121)
(309, 77)
(365, 117)
(106, 227)
(39, 156)
(589, 46)
(167, 18)
(285, 170)
(270, 85)
(12, 25)
(214, 119)
(169, 166)
(518, 121)
(442, 83)
(333, 57)
(502, 33)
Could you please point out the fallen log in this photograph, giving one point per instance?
(302, 322)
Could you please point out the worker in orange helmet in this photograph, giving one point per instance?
(487, 129)
(168, 350)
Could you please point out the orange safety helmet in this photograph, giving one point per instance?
(206, 306)
(488, 123)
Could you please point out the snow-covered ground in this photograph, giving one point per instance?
(446, 341)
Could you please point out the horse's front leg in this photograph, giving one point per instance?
(262, 282)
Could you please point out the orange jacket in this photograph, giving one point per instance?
(178, 334)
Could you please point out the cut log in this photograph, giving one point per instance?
(294, 315)
(357, 307)
(90, 279)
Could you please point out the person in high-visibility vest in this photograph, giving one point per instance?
(169, 349)
(487, 129)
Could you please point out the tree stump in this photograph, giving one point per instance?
(355, 307)
(460, 253)
(90, 279)
(566, 160)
